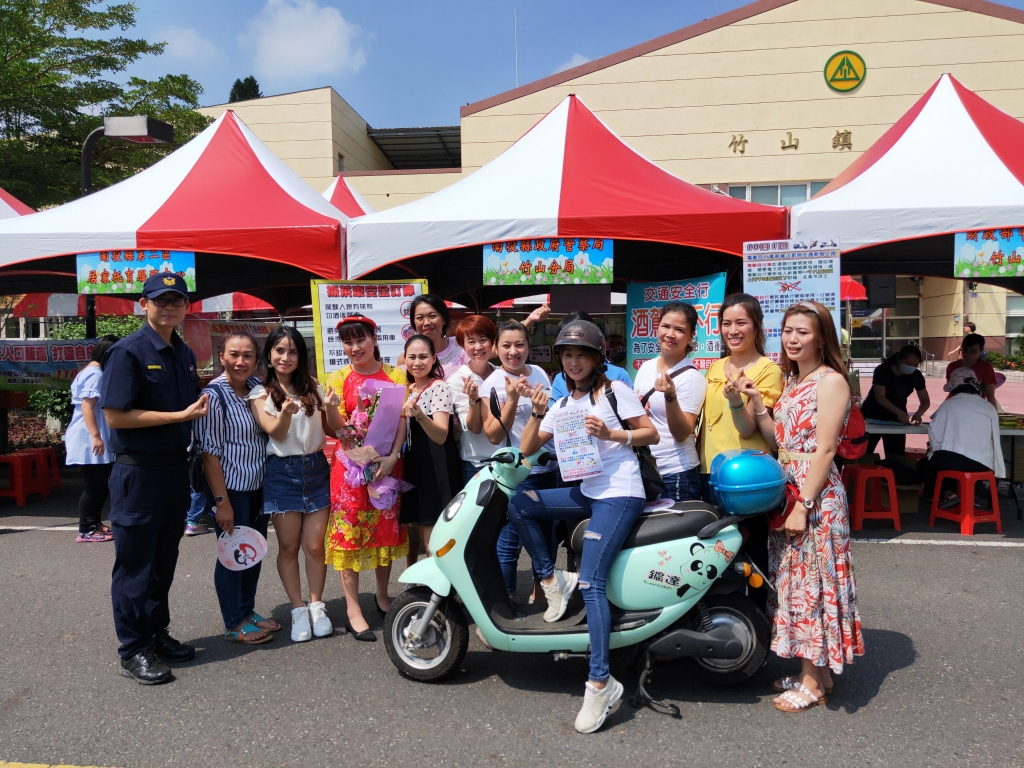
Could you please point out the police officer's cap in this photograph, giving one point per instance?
(164, 282)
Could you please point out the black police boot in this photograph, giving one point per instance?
(170, 649)
(146, 668)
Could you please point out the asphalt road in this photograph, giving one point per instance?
(940, 684)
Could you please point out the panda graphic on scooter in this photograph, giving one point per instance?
(679, 588)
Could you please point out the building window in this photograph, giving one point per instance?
(12, 328)
(777, 194)
(1014, 323)
(341, 162)
(879, 333)
(34, 329)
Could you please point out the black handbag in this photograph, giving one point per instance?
(654, 484)
(196, 472)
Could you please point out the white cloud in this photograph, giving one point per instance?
(299, 38)
(187, 44)
(575, 61)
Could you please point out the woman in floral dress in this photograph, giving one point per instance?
(814, 613)
(361, 537)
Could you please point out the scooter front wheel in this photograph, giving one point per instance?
(443, 646)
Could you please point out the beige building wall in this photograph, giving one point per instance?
(386, 189)
(308, 130)
(763, 77)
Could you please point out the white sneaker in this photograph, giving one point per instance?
(300, 625)
(558, 594)
(322, 626)
(596, 704)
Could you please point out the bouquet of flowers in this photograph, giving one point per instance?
(369, 430)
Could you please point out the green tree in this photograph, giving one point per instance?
(57, 61)
(246, 89)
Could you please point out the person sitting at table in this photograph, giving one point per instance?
(971, 350)
(963, 436)
(891, 385)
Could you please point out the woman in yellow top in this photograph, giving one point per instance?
(729, 418)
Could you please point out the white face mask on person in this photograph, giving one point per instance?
(906, 370)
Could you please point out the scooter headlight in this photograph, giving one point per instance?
(449, 512)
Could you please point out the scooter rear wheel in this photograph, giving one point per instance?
(444, 645)
(738, 613)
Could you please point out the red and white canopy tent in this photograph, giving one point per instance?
(10, 206)
(254, 225)
(952, 163)
(37, 305)
(568, 176)
(343, 196)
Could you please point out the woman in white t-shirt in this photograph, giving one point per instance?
(613, 499)
(672, 390)
(293, 410)
(514, 383)
(475, 335)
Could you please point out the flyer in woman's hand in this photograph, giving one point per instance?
(577, 453)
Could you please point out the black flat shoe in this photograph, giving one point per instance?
(169, 649)
(146, 668)
(381, 611)
(366, 636)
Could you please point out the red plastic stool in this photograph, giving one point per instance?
(865, 506)
(51, 470)
(966, 515)
(20, 479)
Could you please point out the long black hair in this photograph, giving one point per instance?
(753, 309)
(436, 371)
(103, 343)
(303, 383)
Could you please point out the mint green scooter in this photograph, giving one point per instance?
(678, 588)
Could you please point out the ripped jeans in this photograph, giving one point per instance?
(610, 523)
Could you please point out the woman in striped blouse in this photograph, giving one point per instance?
(234, 457)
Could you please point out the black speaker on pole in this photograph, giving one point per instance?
(881, 290)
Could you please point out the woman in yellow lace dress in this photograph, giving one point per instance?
(361, 537)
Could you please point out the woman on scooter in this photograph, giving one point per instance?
(815, 608)
(431, 458)
(361, 537)
(613, 499)
(514, 383)
(674, 391)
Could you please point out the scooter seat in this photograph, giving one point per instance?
(679, 521)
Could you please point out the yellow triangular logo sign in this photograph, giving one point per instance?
(845, 72)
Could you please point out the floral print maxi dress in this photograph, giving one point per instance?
(815, 609)
(359, 536)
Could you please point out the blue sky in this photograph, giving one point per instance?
(398, 63)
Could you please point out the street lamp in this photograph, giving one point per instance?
(137, 129)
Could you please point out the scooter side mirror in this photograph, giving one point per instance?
(496, 413)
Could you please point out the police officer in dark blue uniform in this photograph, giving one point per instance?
(148, 396)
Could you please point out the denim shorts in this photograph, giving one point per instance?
(297, 484)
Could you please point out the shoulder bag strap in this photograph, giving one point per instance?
(614, 403)
(676, 372)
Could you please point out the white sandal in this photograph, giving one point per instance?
(791, 682)
(797, 704)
